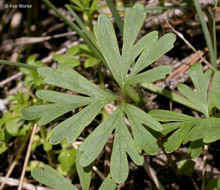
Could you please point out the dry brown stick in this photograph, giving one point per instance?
(188, 61)
(189, 44)
(14, 163)
(9, 79)
(15, 182)
(27, 156)
(206, 147)
(152, 174)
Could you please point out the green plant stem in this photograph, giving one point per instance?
(214, 29)
(194, 183)
(81, 25)
(171, 95)
(43, 135)
(206, 34)
(17, 64)
(77, 29)
(115, 14)
(133, 95)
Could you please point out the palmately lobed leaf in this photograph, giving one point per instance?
(175, 140)
(142, 137)
(98, 139)
(69, 79)
(63, 103)
(207, 129)
(201, 82)
(150, 75)
(50, 177)
(84, 173)
(149, 55)
(72, 127)
(215, 90)
(123, 143)
(166, 116)
(107, 42)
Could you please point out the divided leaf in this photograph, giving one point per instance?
(207, 129)
(98, 139)
(72, 127)
(201, 83)
(84, 173)
(107, 42)
(63, 103)
(142, 137)
(215, 91)
(50, 177)
(165, 116)
(175, 140)
(108, 183)
(150, 75)
(123, 143)
(143, 117)
(69, 79)
(149, 55)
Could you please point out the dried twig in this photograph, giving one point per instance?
(15, 182)
(27, 156)
(152, 174)
(206, 147)
(9, 79)
(14, 163)
(190, 45)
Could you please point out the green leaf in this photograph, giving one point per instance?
(142, 137)
(143, 117)
(149, 55)
(67, 161)
(129, 54)
(63, 103)
(72, 127)
(50, 177)
(70, 61)
(133, 17)
(201, 83)
(215, 90)
(91, 62)
(123, 143)
(195, 148)
(150, 75)
(207, 129)
(212, 184)
(108, 183)
(168, 127)
(186, 167)
(107, 42)
(98, 139)
(85, 173)
(175, 140)
(3, 147)
(67, 78)
(165, 115)
(12, 127)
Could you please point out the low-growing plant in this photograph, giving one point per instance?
(145, 51)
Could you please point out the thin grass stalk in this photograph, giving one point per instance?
(206, 34)
(214, 29)
(75, 28)
(17, 64)
(171, 95)
(115, 14)
(81, 25)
